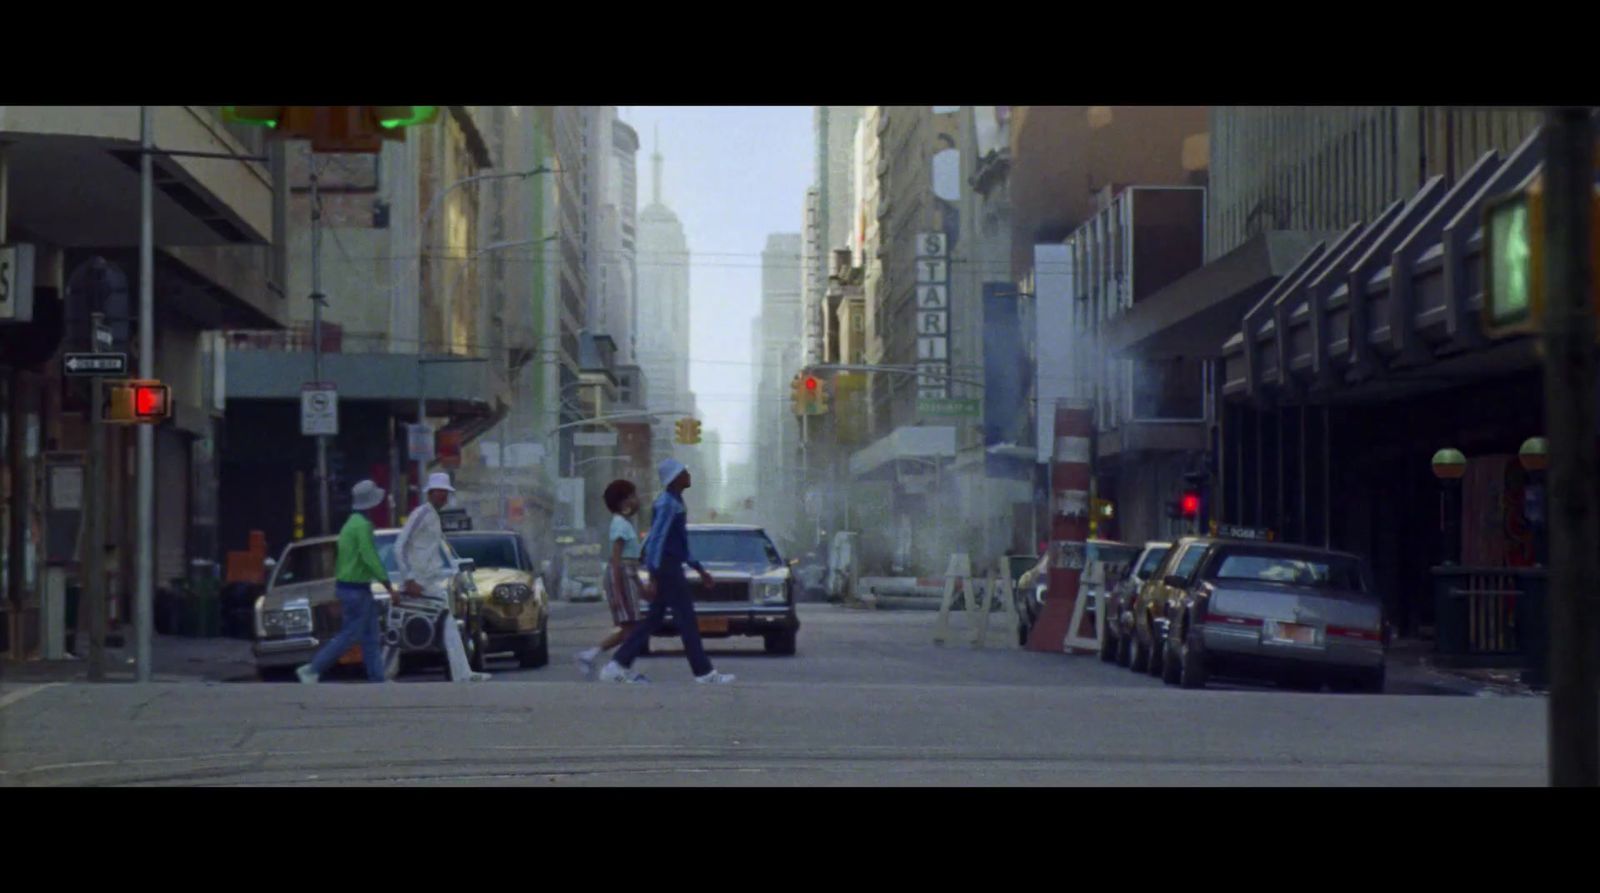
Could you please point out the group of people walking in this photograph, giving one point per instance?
(420, 557)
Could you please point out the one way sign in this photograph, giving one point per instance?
(96, 364)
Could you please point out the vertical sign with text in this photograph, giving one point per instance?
(933, 316)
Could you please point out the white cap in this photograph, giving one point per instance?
(440, 480)
(669, 470)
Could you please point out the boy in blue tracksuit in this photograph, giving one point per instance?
(665, 554)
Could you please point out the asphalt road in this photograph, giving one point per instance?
(869, 700)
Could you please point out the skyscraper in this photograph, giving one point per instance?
(663, 309)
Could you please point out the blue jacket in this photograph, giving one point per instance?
(668, 541)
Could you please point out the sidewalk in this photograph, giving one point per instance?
(176, 659)
(1414, 658)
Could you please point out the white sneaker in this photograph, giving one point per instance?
(307, 675)
(615, 672)
(715, 678)
(585, 660)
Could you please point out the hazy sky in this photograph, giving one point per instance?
(733, 175)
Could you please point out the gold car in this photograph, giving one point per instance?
(513, 610)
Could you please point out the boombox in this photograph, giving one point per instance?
(414, 624)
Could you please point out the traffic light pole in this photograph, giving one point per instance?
(1574, 517)
(144, 598)
(316, 342)
(94, 558)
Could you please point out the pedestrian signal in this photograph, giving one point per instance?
(136, 402)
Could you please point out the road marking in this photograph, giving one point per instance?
(31, 690)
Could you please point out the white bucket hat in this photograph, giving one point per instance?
(669, 470)
(440, 480)
(365, 495)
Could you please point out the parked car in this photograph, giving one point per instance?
(1105, 563)
(1298, 615)
(754, 591)
(1118, 640)
(516, 608)
(299, 610)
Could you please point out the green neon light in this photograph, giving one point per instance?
(419, 115)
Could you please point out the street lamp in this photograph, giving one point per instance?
(1449, 466)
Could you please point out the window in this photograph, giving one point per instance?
(734, 547)
(488, 551)
(1188, 561)
(1322, 572)
(308, 563)
(1151, 562)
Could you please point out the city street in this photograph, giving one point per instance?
(868, 700)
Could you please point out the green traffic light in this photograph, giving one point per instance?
(1510, 273)
(420, 114)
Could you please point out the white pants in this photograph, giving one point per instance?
(454, 650)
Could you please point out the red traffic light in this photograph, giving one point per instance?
(150, 401)
(1190, 505)
(811, 383)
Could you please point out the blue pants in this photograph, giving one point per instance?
(360, 627)
(672, 591)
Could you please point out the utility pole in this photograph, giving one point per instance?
(1569, 383)
(94, 565)
(316, 339)
(144, 598)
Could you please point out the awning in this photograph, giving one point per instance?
(926, 442)
(1193, 316)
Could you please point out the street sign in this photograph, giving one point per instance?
(419, 443)
(595, 439)
(319, 409)
(102, 336)
(95, 364)
(16, 283)
(948, 408)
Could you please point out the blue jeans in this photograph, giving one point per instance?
(360, 627)
(672, 591)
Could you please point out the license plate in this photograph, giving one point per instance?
(1292, 633)
(713, 624)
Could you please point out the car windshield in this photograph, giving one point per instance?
(311, 562)
(488, 551)
(1323, 572)
(733, 547)
(1153, 561)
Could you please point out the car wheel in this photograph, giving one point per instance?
(1108, 646)
(533, 656)
(781, 643)
(1170, 662)
(477, 650)
(1302, 681)
(1192, 660)
(275, 674)
(1371, 681)
(1139, 660)
(1157, 652)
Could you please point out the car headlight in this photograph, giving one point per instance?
(293, 619)
(512, 593)
(764, 592)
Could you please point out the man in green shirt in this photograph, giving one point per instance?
(357, 568)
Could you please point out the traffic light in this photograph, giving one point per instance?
(819, 405)
(1513, 257)
(1189, 505)
(136, 402)
(808, 395)
(335, 128)
(688, 431)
